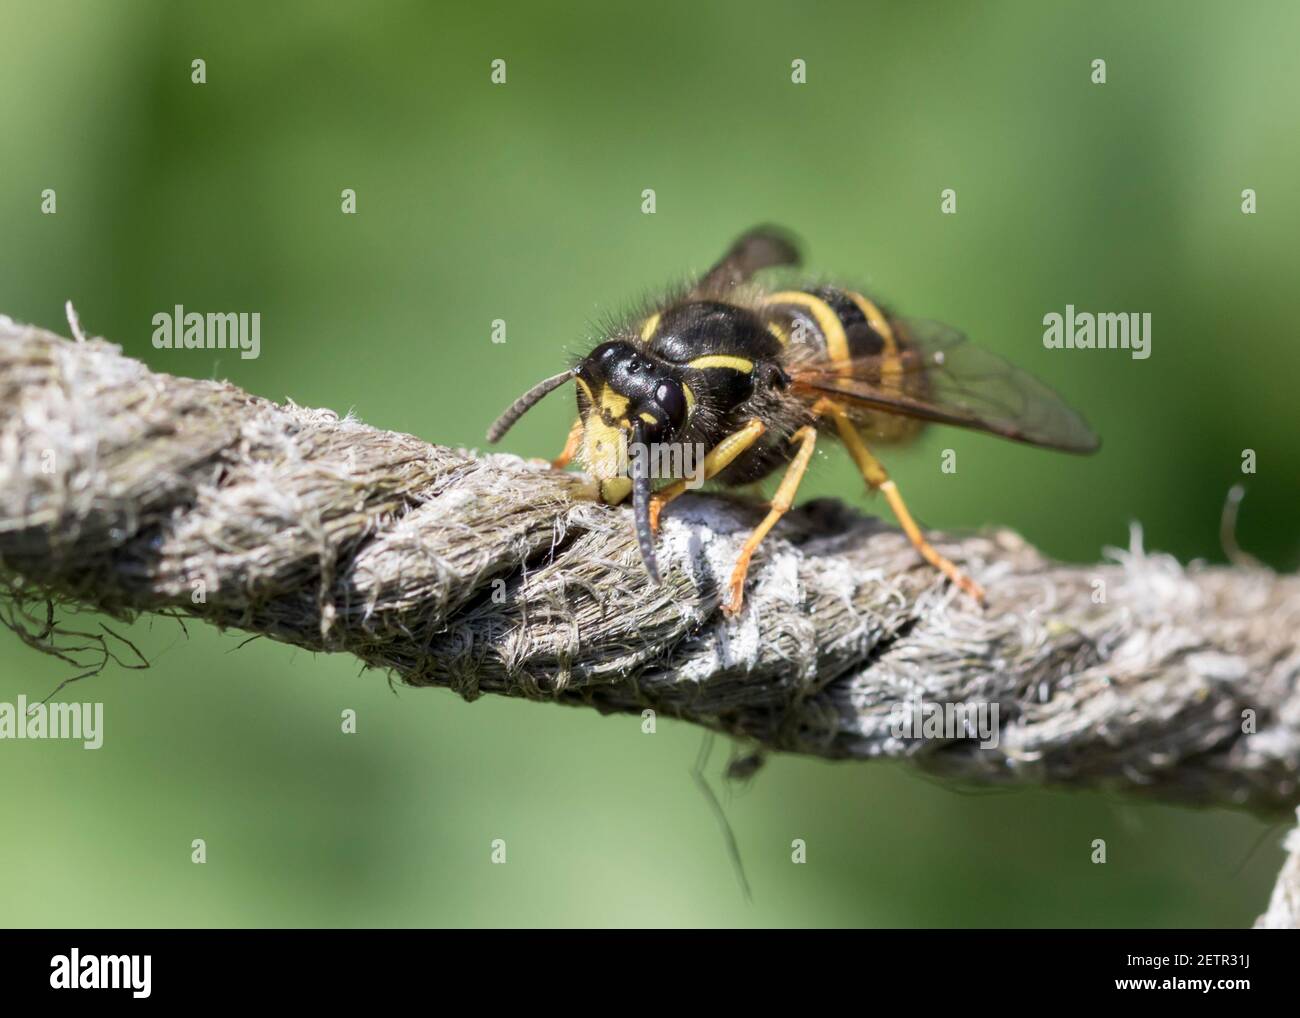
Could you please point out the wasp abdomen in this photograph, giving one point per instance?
(849, 329)
(842, 324)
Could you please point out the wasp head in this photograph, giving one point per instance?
(626, 397)
(628, 400)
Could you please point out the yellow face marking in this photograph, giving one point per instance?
(690, 399)
(603, 448)
(648, 329)
(613, 405)
(832, 330)
(604, 443)
(720, 360)
(649, 418)
(586, 389)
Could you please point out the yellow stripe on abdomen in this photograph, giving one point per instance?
(827, 321)
(891, 364)
(876, 319)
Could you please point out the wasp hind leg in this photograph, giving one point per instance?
(874, 473)
(716, 460)
(781, 503)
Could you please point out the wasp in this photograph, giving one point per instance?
(755, 376)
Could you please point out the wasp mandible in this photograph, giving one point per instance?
(756, 375)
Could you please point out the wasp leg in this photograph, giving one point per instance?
(781, 502)
(570, 446)
(716, 460)
(877, 477)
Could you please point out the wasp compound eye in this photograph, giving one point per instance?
(672, 401)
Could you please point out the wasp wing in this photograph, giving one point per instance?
(763, 247)
(939, 376)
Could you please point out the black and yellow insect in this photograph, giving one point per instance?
(754, 376)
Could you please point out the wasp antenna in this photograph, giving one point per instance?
(525, 402)
(641, 504)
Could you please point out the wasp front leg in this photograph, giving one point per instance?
(716, 460)
(571, 447)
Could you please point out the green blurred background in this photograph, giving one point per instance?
(522, 202)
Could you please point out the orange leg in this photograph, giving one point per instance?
(570, 446)
(715, 461)
(781, 502)
(660, 499)
(877, 477)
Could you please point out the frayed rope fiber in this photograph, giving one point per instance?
(129, 491)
